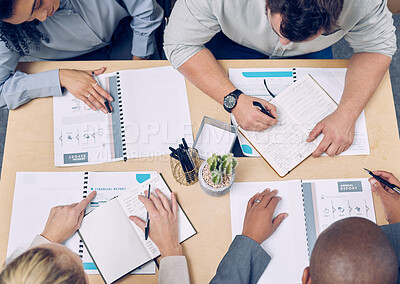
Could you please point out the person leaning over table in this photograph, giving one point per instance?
(256, 29)
(73, 30)
(351, 250)
(48, 261)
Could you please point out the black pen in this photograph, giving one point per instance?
(147, 229)
(263, 109)
(385, 182)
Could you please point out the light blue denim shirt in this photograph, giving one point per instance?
(76, 28)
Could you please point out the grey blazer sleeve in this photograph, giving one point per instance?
(393, 233)
(244, 262)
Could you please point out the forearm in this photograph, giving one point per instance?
(363, 76)
(203, 70)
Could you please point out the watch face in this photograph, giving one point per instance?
(229, 101)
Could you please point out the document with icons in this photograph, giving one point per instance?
(312, 205)
(150, 113)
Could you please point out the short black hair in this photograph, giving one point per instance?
(6, 9)
(18, 38)
(353, 250)
(302, 19)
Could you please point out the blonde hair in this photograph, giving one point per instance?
(42, 266)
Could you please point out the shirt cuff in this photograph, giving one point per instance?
(143, 45)
(39, 240)
(44, 84)
(173, 269)
(253, 246)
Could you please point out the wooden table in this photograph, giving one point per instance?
(29, 147)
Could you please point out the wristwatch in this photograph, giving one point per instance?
(230, 100)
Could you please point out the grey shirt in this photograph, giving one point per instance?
(76, 28)
(366, 24)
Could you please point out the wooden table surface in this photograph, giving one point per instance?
(29, 147)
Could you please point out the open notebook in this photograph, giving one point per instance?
(312, 206)
(38, 192)
(116, 244)
(332, 80)
(299, 107)
(150, 113)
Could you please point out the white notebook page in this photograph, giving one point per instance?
(112, 242)
(156, 110)
(299, 108)
(288, 245)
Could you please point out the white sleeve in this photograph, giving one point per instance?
(173, 269)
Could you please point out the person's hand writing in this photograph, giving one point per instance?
(63, 221)
(338, 132)
(259, 223)
(250, 117)
(163, 222)
(83, 86)
(389, 198)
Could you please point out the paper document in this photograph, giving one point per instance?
(251, 82)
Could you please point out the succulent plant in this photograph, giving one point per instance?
(220, 166)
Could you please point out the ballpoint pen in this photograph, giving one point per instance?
(147, 229)
(263, 109)
(385, 182)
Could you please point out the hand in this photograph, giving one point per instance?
(63, 221)
(389, 198)
(83, 86)
(338, 133)
(259, 224)
(163, 224)
(250, 117)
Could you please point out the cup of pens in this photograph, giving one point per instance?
(185, 163)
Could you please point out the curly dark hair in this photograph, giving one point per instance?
(20, 37)
(302, 19)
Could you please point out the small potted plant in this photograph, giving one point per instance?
(217, 174)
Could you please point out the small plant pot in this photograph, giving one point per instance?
(211, 190)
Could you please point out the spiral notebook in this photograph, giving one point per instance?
(40, 191)
(255, 81)
(115, 243)
(150, 113)
(312, 206)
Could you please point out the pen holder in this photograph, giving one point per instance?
(190, 177)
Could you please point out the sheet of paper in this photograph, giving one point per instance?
(82, 136)
(288, 245)
(251, 82)
(332, 81)
(334, 200)
(35, 194)
(214, 140)
(156, 111)
(132, 206)
(299, 107)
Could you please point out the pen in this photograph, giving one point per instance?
(147, 229)
(385, 182)
(263, 109)
(106, 102)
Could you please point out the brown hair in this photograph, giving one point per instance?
(302, 19)
(42, 266)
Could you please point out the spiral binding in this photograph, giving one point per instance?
(121, 117)
(84, 195)
(305, 220)
(294, 74)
